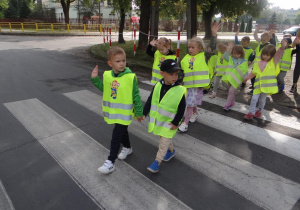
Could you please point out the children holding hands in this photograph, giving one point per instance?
(121, 102)
(265, 72)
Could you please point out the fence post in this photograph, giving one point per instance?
(109, 36)
(68, 27)
(104, 36)
(52, 29)
(178, 44)
(36, 27)
(134, 40)
(84, 28)
(9, 27)
(100, 28)
(22, 27)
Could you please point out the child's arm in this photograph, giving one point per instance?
(236, 36)
(255, 34)
(95, 79)
(179, 115)
(279, 53)
(150, 47)
(138, 106)
(249, 76)
(228, 51)
(147, 105)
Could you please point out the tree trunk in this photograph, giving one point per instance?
(122, 21)
(207, 17)
(154, 19)
(144, 24)
(66, 9)
(191, 19)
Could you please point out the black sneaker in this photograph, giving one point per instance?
(293, 89)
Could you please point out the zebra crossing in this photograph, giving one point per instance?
(132, 187)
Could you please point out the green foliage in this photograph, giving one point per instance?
(273, 18)
(87, 7)
(297, 19)
(249, 26)
(24, 9)
(119, 5)
(12, 11)
(172, 9)
(3, 7)
(242, 28)
(287, 21)
(40, 11)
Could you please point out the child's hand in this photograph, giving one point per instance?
(284, 43)
(258, 27)
(238, 30)
(214, 28)
(154, 42)
(272, 31)
(173, 127)
(140, 119)
(95, 72)
(230, 46)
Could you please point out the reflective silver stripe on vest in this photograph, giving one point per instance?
(240, 72)
(286, 62)
(221, 72)
(257, 56)
(196, 73)
(196, 82)
(156, 71)
(153, 107)
(265, 78)
(166, 113)
(234, 77)
(162, 124)
(285, 67)
(117, 116)
(221, 67)
(155, 79)
(230, 66)
(266, 85)
(117, 105)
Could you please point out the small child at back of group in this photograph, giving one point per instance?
(166, 105)
(121, 101)
(236, 70)
(162, 52)
(219, 67)
(265, 71)
(196, 76)
(264, 40)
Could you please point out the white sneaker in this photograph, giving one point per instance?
(194, 117)
(183, 127)
(107, 167)
(213, 95)
(125, 151)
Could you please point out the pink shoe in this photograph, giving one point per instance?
(249, 116)
(257, 114)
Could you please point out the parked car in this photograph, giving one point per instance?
(293, 30)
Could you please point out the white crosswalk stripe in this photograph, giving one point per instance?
(80, 155)
(5, 202)
(255, 183)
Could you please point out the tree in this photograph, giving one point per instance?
(122, 7)
(287, 21)
(144, 23)
(249, 26)
(242, 27)
(236, 27)
(273, 22)
(172, 9)
(87, 7)
(24, 9)
(3, 7)
(297, 19)
(65, 4)
(12, 11)
(229, 8)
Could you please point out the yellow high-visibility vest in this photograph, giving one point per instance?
(285, 62)
(235, 76)
(158, 59)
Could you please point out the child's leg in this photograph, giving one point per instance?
(280, 79)
(164, 145)
(231, 96)
(216, 83)
(262, 101)
(195, 110)
(125, 139)
(188, 114)
(117, 135)
(199, 96)
(253, 103)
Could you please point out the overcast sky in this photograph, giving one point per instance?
(286, 4)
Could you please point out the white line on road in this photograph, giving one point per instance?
(5, 202)
(254, 183)
(80, 156)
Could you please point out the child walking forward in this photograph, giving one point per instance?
(297, 65)
(166, 105)
(265, 72)
(196, 76)
(120, 97)
(164, 51)
(236, 70)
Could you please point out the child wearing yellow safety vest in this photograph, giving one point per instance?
(196, 76)
(160, 50)
(285, 64)
(121, 103)
(297, 64)
(265, 72)
(237, 68)
(166, 105)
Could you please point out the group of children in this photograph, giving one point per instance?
(171, 99)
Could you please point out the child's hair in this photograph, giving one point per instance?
(239, 50)
(246, 39)
(266, 34)
(269, 50)
(221, 46)
(164, 42)
(287, 35)
(198, 41)
(115, 51)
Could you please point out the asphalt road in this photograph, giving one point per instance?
(53, 139)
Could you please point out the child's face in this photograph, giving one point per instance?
(194, 49)
(236, 55)
(266, 57)
(117, 63)
(170, 78)
(245, 43)
(265, 39)
(222, 48)
(163, 50)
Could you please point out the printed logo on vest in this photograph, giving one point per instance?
(191, 63)
(114, 89)
(160, 61)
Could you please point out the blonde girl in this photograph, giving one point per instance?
(160, 50)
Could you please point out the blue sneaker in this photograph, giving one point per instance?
(154, 167)
(169, 155)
